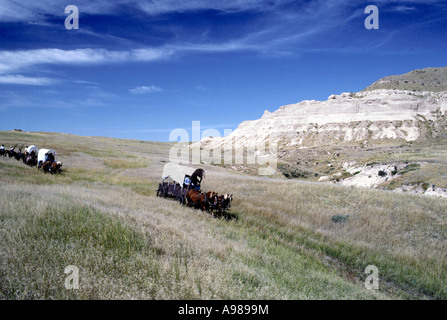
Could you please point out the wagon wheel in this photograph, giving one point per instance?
(180, 199)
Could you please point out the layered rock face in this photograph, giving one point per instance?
(367, 115)
(377, 114)
(349, 138)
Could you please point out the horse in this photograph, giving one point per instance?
(31, 161)
(56, 167)
(212, 199)
(18, 156)
(224, 202)
(2, 153)
(51, 167)
(197, 200)
(45, 166)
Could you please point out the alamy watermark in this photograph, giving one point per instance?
(208, 147)
(72, 281)
(371, 21)
(72, 21)
(372, 280)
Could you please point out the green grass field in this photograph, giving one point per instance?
(287, 240)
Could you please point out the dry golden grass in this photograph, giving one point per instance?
(139, 162)
(283, 245)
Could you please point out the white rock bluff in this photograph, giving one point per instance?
(377, 114)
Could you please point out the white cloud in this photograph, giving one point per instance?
(86, 82)
(19, 79)
(39, 11)
(403, 8)
(145, 89)
(164, 6)
(284, 31)
(27, 11)
(13, 61)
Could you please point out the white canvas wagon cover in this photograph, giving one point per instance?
(33, 148)
(176, 172)
(41, 155)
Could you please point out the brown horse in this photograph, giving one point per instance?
(212, 199)
(56, 167)
(46, 166)
(224, 202)
(51, 167)
(197, 200)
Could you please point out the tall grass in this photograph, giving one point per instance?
(284, 245)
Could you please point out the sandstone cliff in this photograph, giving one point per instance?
(372, 114)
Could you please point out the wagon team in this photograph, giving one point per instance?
(31, 158)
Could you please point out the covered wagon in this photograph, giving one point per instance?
(31, 154)
(41, 157)
(32, 148)
(43, 152)
(178, 179)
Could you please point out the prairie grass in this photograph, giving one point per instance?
(126, 164)
(284, 244)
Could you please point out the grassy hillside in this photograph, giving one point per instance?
(428, 79)
(290, 239)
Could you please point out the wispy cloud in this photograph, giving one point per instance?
(17, 60)
(165, 6)
(402, 8)
(279, 32)
(34, 11)
(22, 60)
(86, 82)
(145, 89)
(19, 79)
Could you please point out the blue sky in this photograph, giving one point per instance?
(139, 69)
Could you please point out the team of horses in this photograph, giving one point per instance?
(209, 201)
(190, 193)
(30, 159)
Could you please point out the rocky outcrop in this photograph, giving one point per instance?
(367, 115)
(424, 189)
(311, 137)
(369, 175)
